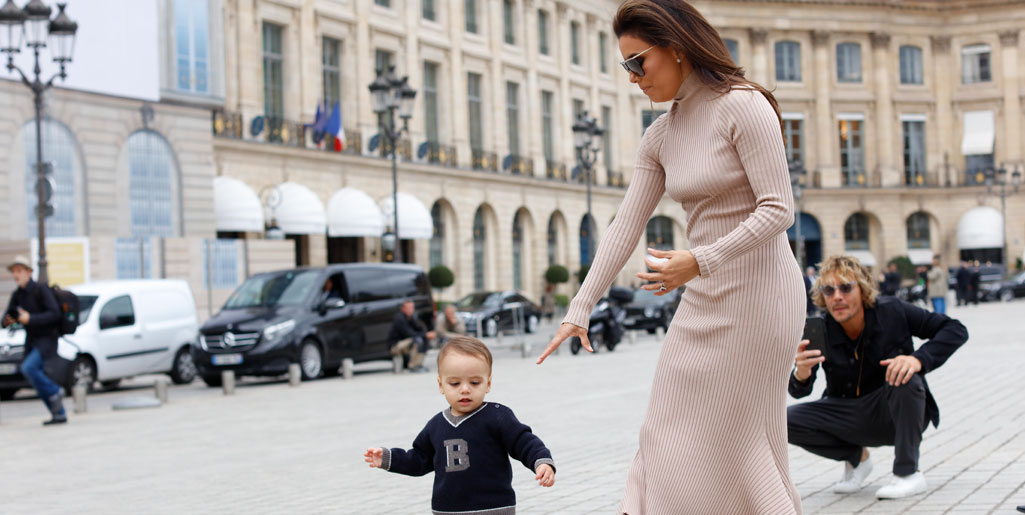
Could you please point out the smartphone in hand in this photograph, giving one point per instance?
(815, 333)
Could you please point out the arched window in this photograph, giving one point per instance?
(586, 240)
(553, 244)
(153, 185)
(438, 236)
(918, 231)
(855, 232)
(479, 242)
(59, 149)
(660, 233)
(788, 61)
(517, 245)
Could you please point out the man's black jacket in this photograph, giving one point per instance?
(44, 314)
(402, 328)
(889, 327)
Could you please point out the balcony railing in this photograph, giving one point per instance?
(518, 165)
(438, 154)
(860, 179)
(555, 170)
(483, 160)
(616, 179)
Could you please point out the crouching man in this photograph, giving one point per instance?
(876, 393)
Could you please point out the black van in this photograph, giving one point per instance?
(278, 318)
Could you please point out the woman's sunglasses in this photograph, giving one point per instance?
(635, 64)
(845, 288)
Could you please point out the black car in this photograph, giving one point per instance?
(648, 311)
(295, 316)
(1004, 290)
(493, 310)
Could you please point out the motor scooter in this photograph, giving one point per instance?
(605, 325)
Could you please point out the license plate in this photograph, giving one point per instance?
(7, 369)
(630, 321)
(227, 359)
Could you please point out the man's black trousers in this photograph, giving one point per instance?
(838, 428)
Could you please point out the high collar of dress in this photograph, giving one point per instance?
(690, 86)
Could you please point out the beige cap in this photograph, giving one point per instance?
(20, 260)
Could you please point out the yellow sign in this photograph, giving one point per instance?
(67, 260)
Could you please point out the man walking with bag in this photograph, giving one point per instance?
(34, 306)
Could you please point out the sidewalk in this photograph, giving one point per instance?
(271, 448)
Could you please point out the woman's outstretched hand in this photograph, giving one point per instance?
(678, 268)
(566, 330)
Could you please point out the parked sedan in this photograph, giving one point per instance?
(649, 311)
(494, 311)
(1004, 290)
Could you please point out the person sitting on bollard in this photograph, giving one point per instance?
(468, 445)
(876, 393)
(409, 338)
(449, 325)
(34, 306)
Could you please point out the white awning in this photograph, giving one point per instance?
(414, 218)
(978, 133)
(980, 228)
(350, 212)
(920, 256)
(236, 206)
(298, 210)
(864, 256)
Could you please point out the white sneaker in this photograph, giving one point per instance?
(900, 487)
(853, 477)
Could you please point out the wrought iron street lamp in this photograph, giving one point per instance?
(797, 173)
(33, 25)
(391, 94)
(1000, 178)
(587, 140)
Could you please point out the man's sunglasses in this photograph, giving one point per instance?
(635, 64)
(828, 290)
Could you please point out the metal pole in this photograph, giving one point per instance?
(590, 219)
(393, 136)
(37, 94)
(800, 236)
(1003, 219)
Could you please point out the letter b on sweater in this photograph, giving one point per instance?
(456, 451)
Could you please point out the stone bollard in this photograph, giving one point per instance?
(396, 364)
(524, 349)
(228, 382)
(295, 374)
(78, 394)
(347, 368)
(498, 338)
(633, 337)
(160, 388)
(660, 334)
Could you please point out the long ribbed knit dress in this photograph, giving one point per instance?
(714, 440)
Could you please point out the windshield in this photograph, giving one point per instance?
(287, 289)
(85, 306)
(476, 300)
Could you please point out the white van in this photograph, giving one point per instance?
(134, 327)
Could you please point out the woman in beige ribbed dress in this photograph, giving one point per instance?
(714, 440)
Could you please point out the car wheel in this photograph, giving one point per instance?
(1007, 295)
(490, 327)
(113, 384)
(212, 379)
(7, 394)
(532, 324)
(651, 330)
(311, 361)
(83, 371)
(184, 369)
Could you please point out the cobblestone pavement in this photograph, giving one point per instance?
(271, 448)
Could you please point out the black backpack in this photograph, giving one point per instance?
(67, 304)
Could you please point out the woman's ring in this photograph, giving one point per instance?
(662, 286)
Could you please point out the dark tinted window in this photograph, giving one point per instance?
(289, 288)
(117, 312)
(517, 298)
(370, 284)
(476, 300)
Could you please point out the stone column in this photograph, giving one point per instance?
(532, 146)
(886, 166)
(1012, 100)
(365, 71)
(564, 119)
(495, 115)
(949, 144)
(460, 121)
(415, 71)
(310, 49)
(825, 132)
(759, 56)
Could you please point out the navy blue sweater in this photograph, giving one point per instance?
(470, 458)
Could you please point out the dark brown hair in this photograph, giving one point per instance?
(677, 25)
(466, 346)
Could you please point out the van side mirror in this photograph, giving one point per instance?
(334, 303)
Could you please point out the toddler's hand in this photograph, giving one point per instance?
(373, 456)
(545, 475)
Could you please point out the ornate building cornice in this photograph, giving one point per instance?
(940, 44)
(880, 39)
(1009, 37)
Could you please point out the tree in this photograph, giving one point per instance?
(904, 267)
(441, 277)
(582, 274)
(556, 274)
